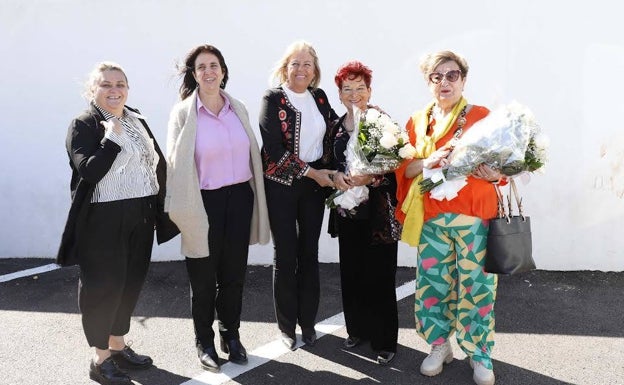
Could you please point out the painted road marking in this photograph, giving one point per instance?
(257, 357)
(275, 349)
(27, 272)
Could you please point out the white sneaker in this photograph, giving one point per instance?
(434, 363)
(481, 374)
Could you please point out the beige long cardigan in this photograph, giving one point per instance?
(183, 201)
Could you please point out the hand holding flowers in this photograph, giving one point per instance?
(508, 140)
(376, 146)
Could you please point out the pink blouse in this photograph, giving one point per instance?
(221, 148)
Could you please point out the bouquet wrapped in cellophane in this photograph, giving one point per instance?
(376, 146)
(508, 139)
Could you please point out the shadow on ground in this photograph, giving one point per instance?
(543, 302)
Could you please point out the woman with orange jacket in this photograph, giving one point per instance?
(453, 292)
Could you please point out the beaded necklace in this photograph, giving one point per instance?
(461, 121)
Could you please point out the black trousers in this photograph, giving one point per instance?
(367, 274)
(115, 253)
(296, 216)
(217, 280)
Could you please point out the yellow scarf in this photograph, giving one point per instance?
(413, 206)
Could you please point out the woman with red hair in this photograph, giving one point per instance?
(367, 234)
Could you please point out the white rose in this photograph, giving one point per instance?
(391, 128)
(388, 140)
(372, 115)
(407, 152)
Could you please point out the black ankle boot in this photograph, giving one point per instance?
(238, 354)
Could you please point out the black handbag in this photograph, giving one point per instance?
(509, 246)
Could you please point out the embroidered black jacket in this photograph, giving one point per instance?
(280, 127)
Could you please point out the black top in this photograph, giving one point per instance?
(380, 207)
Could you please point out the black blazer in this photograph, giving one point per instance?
(280, 127)
(90, 158)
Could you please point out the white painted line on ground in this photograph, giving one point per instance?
(406, 290)
(275, 349)
(26, 273)
(259, 356)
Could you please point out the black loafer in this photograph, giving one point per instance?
(108, 373)
(128, 359)
(289, 341)
(351, 342)
(384, 358)
(308, 336)
(236, 350)
(208, 358)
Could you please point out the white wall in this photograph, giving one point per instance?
(564, 62)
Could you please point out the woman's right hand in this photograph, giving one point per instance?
(113, 125)
(437, 157)
(323, 177)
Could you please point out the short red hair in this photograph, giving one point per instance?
(353, 70)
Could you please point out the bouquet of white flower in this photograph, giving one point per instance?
(376, 146)
(508, 140)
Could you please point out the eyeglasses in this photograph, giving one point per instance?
(451, 76)
(359, 90)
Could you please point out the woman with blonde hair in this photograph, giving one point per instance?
(295, 121)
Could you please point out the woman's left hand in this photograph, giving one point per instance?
(487, 173)
(361, 180)
(342, 181)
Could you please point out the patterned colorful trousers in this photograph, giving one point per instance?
(453, 292)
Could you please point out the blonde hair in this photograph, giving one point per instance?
(94, 76)
(430, 61)
(280, 71)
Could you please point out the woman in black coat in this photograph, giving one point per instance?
(117, 189)
(367, 234)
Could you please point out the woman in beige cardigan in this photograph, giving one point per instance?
(215, 197)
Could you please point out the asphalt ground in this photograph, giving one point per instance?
(551, 328)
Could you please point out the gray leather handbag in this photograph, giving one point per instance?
(509, 246)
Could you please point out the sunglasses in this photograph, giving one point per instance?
(451, 76)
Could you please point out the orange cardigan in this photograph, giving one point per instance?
(477, 198)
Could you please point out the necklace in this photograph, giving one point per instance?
(461, 121)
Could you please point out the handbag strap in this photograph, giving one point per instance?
(501, 203)
(513, 194)
(512, 188)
